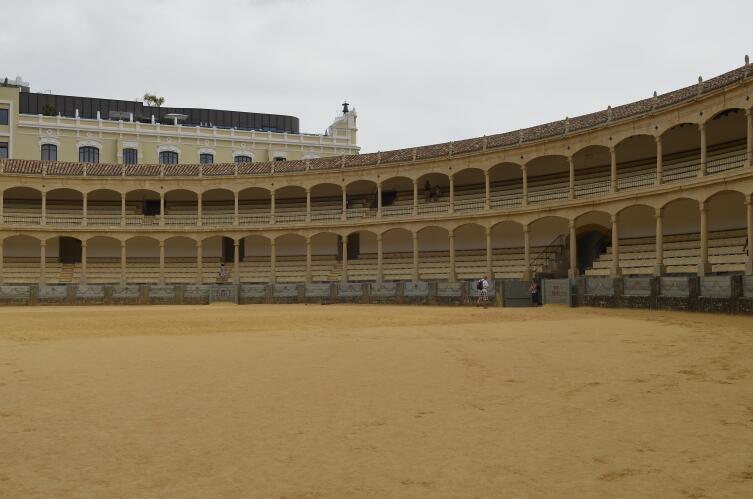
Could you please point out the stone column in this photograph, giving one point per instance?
(613, 170)
(308, 205)
(489, 254)
(659, 161)
(415, 197)
(344, 215)
(162, 208)
(42, 262)
(236, 218)
(272, 207)
(85, 210)
(162, 263)
(615, 269)
(199, 262)
(703, 262)
(571, 164)
(122, 263)
(749, 149)
(487, 191)
(308, 260)
(82, 281)
(199, 210)
(379, 200)
(451, 271)
(380, 261)
(44, 208)
(749, 256)
(451, 208)
(344, 277)
(524, 171)
(122, 209)
(2, 243)
(573, 272)
(702, 129)
(415, 257)
(2, 218)
(272, 262)
(659, 265)
(236, 261)
(526, 254)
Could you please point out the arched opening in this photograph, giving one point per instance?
(362, 256)
(217, 207)
(681, 236)
(397, 255)
(103, 208)
(637, 238)
(548, 179)
(681, 152)
(22, 206)
(211, 258)
(103, 260)
(636, 162)
(470, 190)
(65, 207)
(181, 207)
(727, 232)
(180, 260)
(508, 250)
(257, 262)
(290, 250)
(142, 260)
(142, 207)
(434, 193)
(726, 140)
(254, 206)
(592, 167)
(593, 254)
(326, 252)
(470, 251)
(547, 240)
(505, 186)
(290, 204)
(22, 257)
(326, 202)
(433, 253)
(397, 196)
(361, 199)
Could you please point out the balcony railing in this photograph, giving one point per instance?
(509, 199)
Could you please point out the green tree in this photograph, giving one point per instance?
(154, 100)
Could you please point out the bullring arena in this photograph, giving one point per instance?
(149, 372)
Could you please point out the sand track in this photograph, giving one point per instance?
(373, 401)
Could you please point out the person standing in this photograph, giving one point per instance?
(533, 289)
(483, 292)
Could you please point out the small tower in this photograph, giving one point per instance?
(344, 124)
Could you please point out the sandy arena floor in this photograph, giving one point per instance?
(373, 401)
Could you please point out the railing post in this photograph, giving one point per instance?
(659, 161)
(702, 129)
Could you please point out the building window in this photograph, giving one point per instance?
(244, 159)
(49, 152)
(3, 150)
(206, 159)
(168, 158)
(88, 154)
(130, 156)
(280, 158)
(3, 116)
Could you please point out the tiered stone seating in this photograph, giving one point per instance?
(681, 254)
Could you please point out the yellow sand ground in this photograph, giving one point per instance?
(373, 401)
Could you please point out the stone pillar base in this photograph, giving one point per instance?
(704, 268)
(659, 270)
(615, 272)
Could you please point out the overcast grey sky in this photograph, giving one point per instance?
(418, 72)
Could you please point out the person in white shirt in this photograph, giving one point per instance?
(483, 295)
